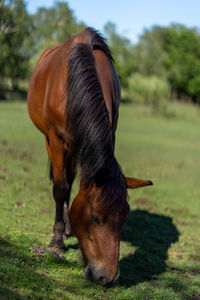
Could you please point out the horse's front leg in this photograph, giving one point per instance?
(61, 191)
(59, 194)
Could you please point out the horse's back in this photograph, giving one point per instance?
(47, 88)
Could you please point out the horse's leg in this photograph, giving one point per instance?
(70, 178)
(61, 188)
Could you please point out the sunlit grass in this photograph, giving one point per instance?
(160, 243)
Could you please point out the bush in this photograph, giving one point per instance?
(148, 90)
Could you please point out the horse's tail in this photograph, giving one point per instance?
(88, 122)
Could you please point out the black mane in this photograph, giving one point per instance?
(88, 125)
(88, 122)
(97, 41)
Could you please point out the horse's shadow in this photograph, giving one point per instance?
(152, 236)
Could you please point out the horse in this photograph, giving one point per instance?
(73, 99)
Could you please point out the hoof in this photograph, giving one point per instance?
(64, 236)
(66, 220)
(68, 229)
(57, 245)
(67, 235)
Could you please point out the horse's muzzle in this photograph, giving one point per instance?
(99, 275)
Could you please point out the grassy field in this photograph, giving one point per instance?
(160, 243)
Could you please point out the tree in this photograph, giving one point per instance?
(15, 40)
(53, 26)
(184, 60)
(172, 53)
(56, 24)
(121, 49)
(150, 55)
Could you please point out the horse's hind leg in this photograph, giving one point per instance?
(69, 178)
(61, 189)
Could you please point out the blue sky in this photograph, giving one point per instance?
(130, 16)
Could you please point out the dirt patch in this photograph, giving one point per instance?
(5, 236)
(45, 210)
(190, 276)
(3, 142)
(182, 223)
(25, 169)
(142, 201)
(39, 251)
(25, 155)
(195, 296)
(195, 257)
(179, 256)
(2, 169)
(22, 155)
(18, 204)
(167, 210)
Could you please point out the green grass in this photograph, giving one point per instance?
(160, 243)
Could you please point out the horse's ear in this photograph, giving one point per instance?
(133, 183)
(102, 176)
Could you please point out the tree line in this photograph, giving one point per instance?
(164, 63)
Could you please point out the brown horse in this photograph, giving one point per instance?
(73, 99)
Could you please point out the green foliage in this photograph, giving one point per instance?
(122, 52)
(194, 88)
(172, 53)
(148, 90)
(24, 37)
(55, 24)
(149, 53)
(159, 252)
(15, 40)
(183, 59)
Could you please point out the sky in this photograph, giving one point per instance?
(130, 16)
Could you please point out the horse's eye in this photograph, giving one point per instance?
(95, 219)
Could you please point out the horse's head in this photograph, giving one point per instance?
(96, 216)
